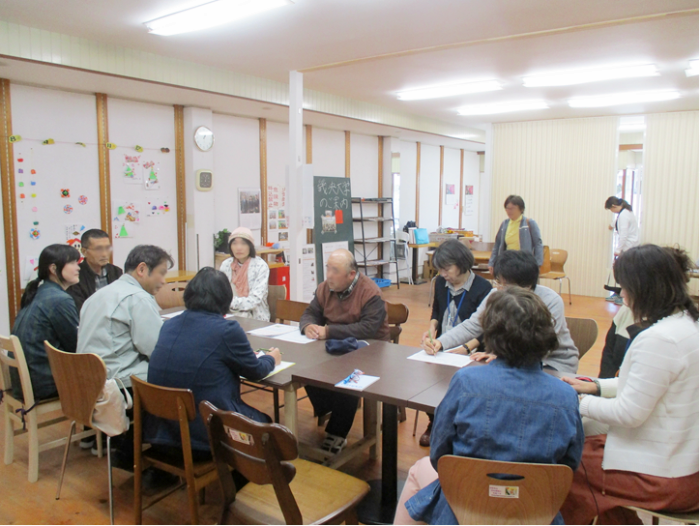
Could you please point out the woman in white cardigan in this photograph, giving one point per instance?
(248, 275)
(625, 225)
(649, 456)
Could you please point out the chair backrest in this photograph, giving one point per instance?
(397, 314)
(557, 258)
(171, 295)
(260, 452)
(274, 294)
(491, 492)
(546, 261)
(79, 380)
(584, 332)
(12, 345)
(288, 310)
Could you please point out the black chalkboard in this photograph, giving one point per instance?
(332, 216)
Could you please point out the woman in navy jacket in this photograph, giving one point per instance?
(202, 351)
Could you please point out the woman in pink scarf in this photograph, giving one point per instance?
(248, 275)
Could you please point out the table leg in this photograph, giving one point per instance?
(416, 279)
(290, 407)
(379, 506)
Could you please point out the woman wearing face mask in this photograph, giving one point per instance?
(517, 233)
(248, 275)
(47, 313)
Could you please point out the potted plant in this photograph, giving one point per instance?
(221, 241)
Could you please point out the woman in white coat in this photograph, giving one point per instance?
(248, 275)
(627, 231)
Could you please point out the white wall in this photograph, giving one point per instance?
(429, 187)
(237, 165)
(450, 175)
(407, 204)
(328, 153)
(40, 114)
(364, 177)
(152, 127)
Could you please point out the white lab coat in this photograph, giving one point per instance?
(627, 230)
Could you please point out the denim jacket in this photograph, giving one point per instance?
(498, 412)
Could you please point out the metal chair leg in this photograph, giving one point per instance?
(65, 459)
(569, 280)
(109, 475)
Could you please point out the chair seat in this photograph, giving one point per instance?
(320, 492)
(553, 275)
(173, 464)
(686, 518)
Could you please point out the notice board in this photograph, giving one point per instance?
(332, 219)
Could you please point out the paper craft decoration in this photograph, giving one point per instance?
(65, 193)
(22, 196)
(31, 265)
(133, 174)
(68, 209)
(126, 217)
(32, 171)
(82, 200)
(19, 170)
(21, 185)
(73, 233)
(138, 148)
(48, 141)
(157, 207)
(151, 180)
(33, 183)
(15, 138)
(34, 233)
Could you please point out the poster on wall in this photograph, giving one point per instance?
(126, 217)
(308, 271)
(74, 232)
(451, 195)
(469, 209)
(277, 224)
(132, 172)
(151, 179)
(249, 207)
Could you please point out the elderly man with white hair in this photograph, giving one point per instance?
(347, 304)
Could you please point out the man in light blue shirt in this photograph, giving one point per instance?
(121, 322)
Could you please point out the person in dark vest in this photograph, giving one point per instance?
(347, 304)
(95, 270)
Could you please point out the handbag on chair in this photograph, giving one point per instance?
(109, 415)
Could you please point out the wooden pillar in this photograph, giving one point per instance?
(309, 160)
(103, 160)
(9, 200)
(347, 154)
(263, 178)
(442, 170)
(461, 186)
(181, 190)
(417, 184)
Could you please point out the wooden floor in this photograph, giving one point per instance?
(84, 494)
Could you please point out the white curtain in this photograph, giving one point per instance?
(564, 170)
(670, 184)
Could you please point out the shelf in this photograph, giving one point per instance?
(374, 240)
(375, 263)
(373, 219)
(379, 200)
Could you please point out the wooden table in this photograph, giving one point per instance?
(400, 381)
(179, 275)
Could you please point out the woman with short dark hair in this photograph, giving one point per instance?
(248, 276)
(47, 313)
(649, 456)
(202, 351)
(500, 411)
(517, 233)
(458, 293)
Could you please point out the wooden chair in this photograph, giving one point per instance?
(557, 259)
(283, 488)
(274, 294)
(171, 295)
(683, 518)
(78, 399)
(25, 416)
(397, 314)
(469, 485)
(288, 310)
(177, 405)
(584, 332)
(546, 261)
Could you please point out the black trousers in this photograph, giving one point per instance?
(341, 406)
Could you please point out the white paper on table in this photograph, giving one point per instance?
(172, 314)
(271, 331)
(294, 336)
(281, 367)
(363, 382)
(442, 358)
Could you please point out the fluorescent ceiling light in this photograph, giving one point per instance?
(449, 90)
(583, 76)
(692, 70)
(210, 15)
(617, 99)
(502, 107)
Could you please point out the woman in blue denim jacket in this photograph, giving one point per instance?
(509, 410)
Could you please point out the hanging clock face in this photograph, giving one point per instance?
(204, 138)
